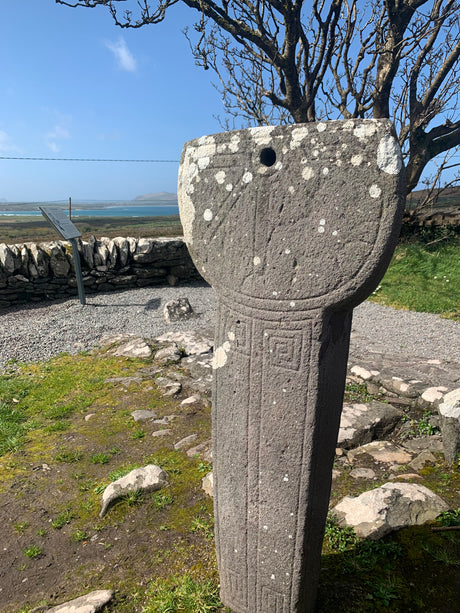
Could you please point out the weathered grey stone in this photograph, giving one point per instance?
(7, 259)
(185, 442)
(143, 415)
(207, 483)
(39, 260)
(90, 603)
(199, 450)
(177, 310)
(170, 354)
(362, 473)
(361, 423)
(167, 419)
(161, 433)
(293, 226)
(191, 342)
(147, 479)
(389, 507)
(449, 409)
(168, 386)
(419, 462)
(423, 443)
(133, 347)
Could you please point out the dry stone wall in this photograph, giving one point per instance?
(32, 272)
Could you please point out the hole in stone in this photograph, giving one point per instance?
(267, 156)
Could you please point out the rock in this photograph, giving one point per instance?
(423, 443)
(161, 433)
(382, 451)
(146, 479)
(129, 346)
(420, 461)
(207, 483)
(449, 409)
(433, 394)
(195, 399)
(362, 473)
(361, 423)
(406, 476)
(389, 507)
(143, 415)
(90, 603)
(167, 419)
(168, 355)
(200, 449)
(89, 416)
(168, 386)
(191, 342)
(177, 310)
(185, 442)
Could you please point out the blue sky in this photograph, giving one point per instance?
(74, 85)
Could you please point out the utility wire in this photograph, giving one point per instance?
(3, 157)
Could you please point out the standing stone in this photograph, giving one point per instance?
(293, 226)
(449, 409)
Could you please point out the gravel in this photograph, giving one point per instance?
(40, 331)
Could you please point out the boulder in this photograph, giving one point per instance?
(168, 355)
(147, 479)
(362, 423)
(449, 409)
(389, 507)
(207, 483)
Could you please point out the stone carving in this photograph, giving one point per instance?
(293, 226)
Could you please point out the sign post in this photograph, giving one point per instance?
(66, 229)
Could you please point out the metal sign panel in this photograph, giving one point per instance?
(61, 222)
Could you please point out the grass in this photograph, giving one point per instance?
(182, 594)
(423, 277)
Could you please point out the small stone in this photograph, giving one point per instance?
(424, 443)
(185, 442)
(161, 433)
(336, 473)
(167, 419)
(90, 603)
(190, 400)
(143, 415)
(146, 479)
(339, 452)
(431, 394)
(362, 473)
(361, 423)
(406, 477)
(168, 355)
(199, 449)
(134, 348)
(207, 483)
(449, 410)
(177, 310)
(89, 416)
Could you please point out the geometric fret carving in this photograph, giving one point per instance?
(285, 348)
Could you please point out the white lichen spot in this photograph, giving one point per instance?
(315, 153)
(365, 129)
(321, 126)
(338, 163)
(219, 359)
(256, 260)
(356, 160)
(291, 189)
(284, 150)
(334, 233)
(220, 177)
(297, 136)
(286, 478)
(325, 171)
(274, 294)
(292, 304)
(284, 390)
(349, 125)
(321, 229)
(272, 577)
(322, 222)
(287, 251)
(274, 402)
(389, 157)
(278, 166)
(203, 162)
(247, 177)
(226, 346)
(231, 336)
(290, 536)
(375, 191)
(207, 215)
(234, 143)
(262, 135)
(308, 173)
(221, 147)
(229, 187)
(265, 528)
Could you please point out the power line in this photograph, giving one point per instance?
(3, 157)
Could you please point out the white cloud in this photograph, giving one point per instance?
(5, 145)
(125, 59)
(58, 132)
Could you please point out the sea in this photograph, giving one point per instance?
(112, 211)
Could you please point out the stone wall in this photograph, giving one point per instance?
(32, 272)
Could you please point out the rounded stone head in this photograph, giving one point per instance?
(293, 217)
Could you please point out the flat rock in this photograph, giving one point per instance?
(161, 433)
(191, 342)
(195, 399)
(389, 507)
(423, 458)
(362, 423)
(143, 415)
(207, 483)
(423, 443)
(199, 450)
(167, 419)
(382, 451)
(362, 473)
(185, 442)
(134, 347)
(148, 478)
(169, 387)
(90, 603)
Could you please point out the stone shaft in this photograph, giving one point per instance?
(293, 226)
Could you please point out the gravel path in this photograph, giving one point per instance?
(40, 331)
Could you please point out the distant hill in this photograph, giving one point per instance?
(163, 196)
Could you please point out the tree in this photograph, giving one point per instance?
(284, 61)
